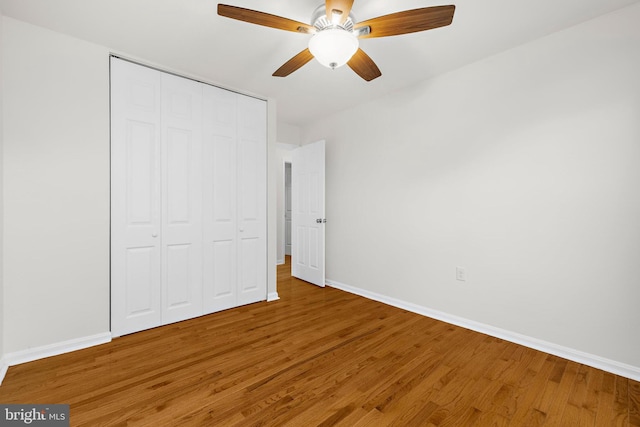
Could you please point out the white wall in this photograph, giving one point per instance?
(56, 165)
(524, 169)
(288, 134)
(272, 209)
(56, 192)
(2, 309)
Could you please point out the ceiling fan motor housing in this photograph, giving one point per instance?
(320, 21)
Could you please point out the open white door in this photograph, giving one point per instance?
(308, 221)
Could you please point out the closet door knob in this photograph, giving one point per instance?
(241, 229)
(154, 234)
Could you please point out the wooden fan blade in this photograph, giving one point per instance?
(364, 66)
(408, 21)
(343, 7)
(265, 19)
(294, 63)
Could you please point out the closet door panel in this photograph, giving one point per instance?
(140, 273)
(252, 200)
(223, 273)
(135, 198)
(179, 260)
(181, 198)
(220, 199)
(250, 276)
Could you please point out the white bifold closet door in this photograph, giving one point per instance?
(136, 300)
(235, 199)
(181, 193)
(188, 209)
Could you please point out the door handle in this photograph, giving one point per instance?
(321, 220)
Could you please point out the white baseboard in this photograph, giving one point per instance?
(273, 296)
(3, 369)
(36, 353)
(279, 261)
(615, 367)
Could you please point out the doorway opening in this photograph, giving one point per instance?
(287, 209)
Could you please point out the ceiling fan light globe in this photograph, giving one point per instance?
(333, 47)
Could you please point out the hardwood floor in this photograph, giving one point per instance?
(321, 357)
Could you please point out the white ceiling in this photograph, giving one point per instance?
(188, 35)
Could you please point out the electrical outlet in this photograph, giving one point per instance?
(461, 274)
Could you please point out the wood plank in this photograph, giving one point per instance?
(526, 412)
(621, 401)
(634, 403)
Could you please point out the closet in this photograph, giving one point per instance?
(188, 198)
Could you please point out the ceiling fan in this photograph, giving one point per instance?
(335, 32)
